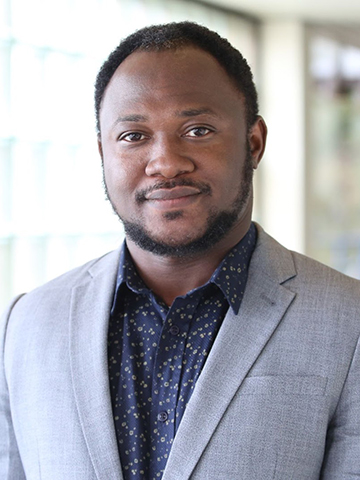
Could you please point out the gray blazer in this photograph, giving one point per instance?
(278, 398)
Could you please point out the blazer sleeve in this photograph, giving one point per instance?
(342, 454)
(10, 462)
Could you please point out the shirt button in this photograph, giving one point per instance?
(174, 330)
(162, 416)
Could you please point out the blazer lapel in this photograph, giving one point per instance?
(240, 341)
(90, 309)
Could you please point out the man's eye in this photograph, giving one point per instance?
(198, 132)
(132, 137)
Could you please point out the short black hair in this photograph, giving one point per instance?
(177, 35)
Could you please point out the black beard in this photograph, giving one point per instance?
(219, 224)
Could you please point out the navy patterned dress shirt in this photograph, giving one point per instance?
(156, 353)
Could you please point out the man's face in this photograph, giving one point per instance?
(176, 154)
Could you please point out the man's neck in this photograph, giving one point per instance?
(170, 277)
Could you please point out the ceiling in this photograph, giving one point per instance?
(334, 11)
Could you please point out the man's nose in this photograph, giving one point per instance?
(167, 158)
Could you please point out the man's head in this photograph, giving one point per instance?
(173, 36)
(179, 137)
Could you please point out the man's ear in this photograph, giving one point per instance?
(100, 146)
(257, 140)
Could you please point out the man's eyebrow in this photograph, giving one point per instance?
(132, 118)
(193, 112)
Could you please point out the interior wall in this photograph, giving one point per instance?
(282, 97)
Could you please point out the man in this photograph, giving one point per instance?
(202, 349)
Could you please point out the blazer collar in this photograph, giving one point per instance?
(89, 317)
(239, 342)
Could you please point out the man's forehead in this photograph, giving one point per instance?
(187, 66)
(189, 81)
(187, 59)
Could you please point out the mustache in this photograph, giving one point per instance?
(203, 188)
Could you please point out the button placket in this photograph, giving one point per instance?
(162, 416)
(174, 330)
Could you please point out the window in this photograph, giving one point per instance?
(334, 151)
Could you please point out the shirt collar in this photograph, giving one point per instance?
(230, 276)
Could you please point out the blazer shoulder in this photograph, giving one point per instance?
(301, 274)
(274, 258)
(316, 273)
(104, 265)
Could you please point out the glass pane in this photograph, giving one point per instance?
(6, 177)
(334, 161)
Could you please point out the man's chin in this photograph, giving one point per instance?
(218, 226)
(162, 245)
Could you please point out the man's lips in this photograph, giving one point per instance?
(172, 193)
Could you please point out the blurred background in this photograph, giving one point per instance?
(305, 56)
